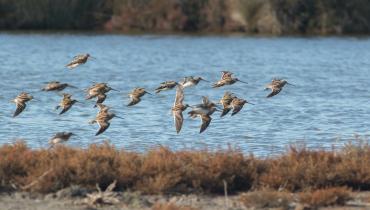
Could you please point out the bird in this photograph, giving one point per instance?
(276, 86)
(168, 85)
(237, 105)
(226, 102)
(226, 79)
(136, 95)
(56, 86)
(66, 103)
(78, 60)
(103, 119)
(204, 111)
(191, 81)
(178, 108)
(60, 137)
(20, 102)
(98, 90)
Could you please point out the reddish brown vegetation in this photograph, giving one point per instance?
(171, 206)
(164, 171)
(326, 197)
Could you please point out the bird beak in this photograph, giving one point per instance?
(219, 110)
(92, 57)
(36, 100)
(243, 82)
(204, 80)
(115, 89)
(290, 84)
(250, 103)
(71, 86)
(119, 117)
(148, 93)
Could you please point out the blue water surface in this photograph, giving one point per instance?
(329, 104)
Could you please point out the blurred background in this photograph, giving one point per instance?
(246, 16)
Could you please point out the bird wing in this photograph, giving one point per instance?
(20, 108)
(226, 74)
(179, 95)
(103, 125)
(179, 119)
(205, 100)
(206, 120)
(225, 111)
(65, 108)
(134, 100)
(236, 109)
(101, 98)
(275, 91)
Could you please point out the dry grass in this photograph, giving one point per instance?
(161, 170)
(170, 206)
(326, 197)
(267, 199)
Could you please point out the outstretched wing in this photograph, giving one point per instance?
(226, 74)
(205, 100)
(236, 110)
(179, 119)
(275, 91)
(103, 125)
(179, 95)
(20, 108)
(134, 100)
(101, 98)
(206, 120)
(225, 111)
(65, 108)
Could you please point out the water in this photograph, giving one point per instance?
(328, 105)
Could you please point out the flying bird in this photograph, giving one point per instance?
(168, 85)
(276, 86)
(66, 103)
(204, 112)
(103, 119)
(178, 108)
(237, 105)
(226, 79)
(98, 91)
(78, 60)
(136, 95)
(191, 81)
(226, 103)
(60, 138)
(56, 86)
(20, 102)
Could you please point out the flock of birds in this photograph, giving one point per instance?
(99, 91)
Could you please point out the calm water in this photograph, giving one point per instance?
(329, 104)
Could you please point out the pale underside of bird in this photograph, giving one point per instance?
(78, 60)
(20, 102)
(178, 108)
(135, 96)
(204, 112)
(66, 103)
(276, 86)
(191, 81)
(168, 85)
